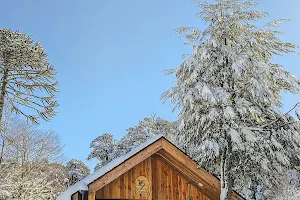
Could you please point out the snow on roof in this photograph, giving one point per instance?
(83, 184)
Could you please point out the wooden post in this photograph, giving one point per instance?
(92, 196)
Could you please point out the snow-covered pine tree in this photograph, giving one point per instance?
(228, 92)
(103, 147)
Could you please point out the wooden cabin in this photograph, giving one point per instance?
(156, 170)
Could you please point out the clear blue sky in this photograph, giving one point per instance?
(110, 54)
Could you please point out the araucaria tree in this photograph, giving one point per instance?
(228, 92)
(27, 79)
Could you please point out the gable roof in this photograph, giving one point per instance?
(156, 145)
(83, 184)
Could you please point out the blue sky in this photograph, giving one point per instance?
(110, 54)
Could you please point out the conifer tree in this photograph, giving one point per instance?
(28, 84)
(228, 92)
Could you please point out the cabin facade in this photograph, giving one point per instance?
(156, 170)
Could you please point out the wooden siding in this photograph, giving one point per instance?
(166, 183)
(123, 168)
(170, 184)
(124, 186)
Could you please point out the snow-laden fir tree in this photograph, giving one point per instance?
(77, 170)
(228, 92)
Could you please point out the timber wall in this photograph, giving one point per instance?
(161, 181)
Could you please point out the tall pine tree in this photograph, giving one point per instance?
(228, 92)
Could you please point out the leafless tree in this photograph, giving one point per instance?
(31, 163)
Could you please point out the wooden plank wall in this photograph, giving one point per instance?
(169, 184)
(124, 186)
(166, 183)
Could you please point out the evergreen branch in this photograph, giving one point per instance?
(25, 94)
(271, 123)
(33, 119)
(23, 104)
(23, 100)
(282, 125)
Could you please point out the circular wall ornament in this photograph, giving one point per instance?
(142, 186)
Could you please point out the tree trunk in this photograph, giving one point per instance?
(2, 149)
(4, 131)
(226, 177)
(253, 189)
(3, 90)
(2, 100)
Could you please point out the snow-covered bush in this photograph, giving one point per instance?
(76, 170)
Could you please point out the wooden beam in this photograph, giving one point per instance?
(124, 167)
(75, 196)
